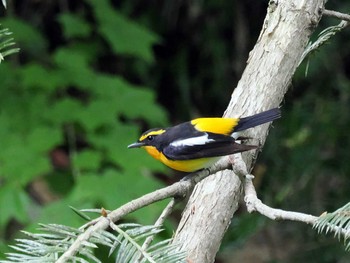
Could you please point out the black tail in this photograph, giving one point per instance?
(257, 119)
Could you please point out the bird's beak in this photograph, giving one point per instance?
(136, 145)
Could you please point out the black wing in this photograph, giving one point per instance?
(217, 145)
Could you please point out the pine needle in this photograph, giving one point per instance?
(337, 222)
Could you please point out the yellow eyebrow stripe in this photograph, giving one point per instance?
(157, 132)
(215, 125)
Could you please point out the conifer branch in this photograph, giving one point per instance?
(64, 244)
(6, 44)
(327, 33)
(323, 38)
(54, 240)
(337, 222)
(160, 221)
(179, 189)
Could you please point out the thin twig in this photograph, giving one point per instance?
(336, 14)
(254, 204)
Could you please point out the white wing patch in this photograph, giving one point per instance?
(235, 135)
(200, 140)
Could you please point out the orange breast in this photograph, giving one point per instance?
(182, 165)
(152, 151)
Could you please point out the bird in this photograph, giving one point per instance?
(199, 143)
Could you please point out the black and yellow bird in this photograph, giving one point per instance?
(197, 144)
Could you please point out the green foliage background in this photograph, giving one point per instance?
(91, 75)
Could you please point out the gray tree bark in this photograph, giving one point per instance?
(266, 78)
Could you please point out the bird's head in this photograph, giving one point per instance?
(148, 138)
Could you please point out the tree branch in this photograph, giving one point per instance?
(179, 189)
(336, 14)
(270, 67)
(254, 204)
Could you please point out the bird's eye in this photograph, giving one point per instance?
(150, 137)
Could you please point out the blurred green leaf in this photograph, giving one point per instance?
(130, 100)
(124, 36)
(88, 160)
(32, 78)
(142, 106)
(74, 67)
(28, 37)
(64, 111)
(74, 26)
(113, 189)
(41, 139)
(98, 113)
(25, 157)
(23, 166)
(8, 77)
(14, 204)
(104, 189)
(60, 212)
